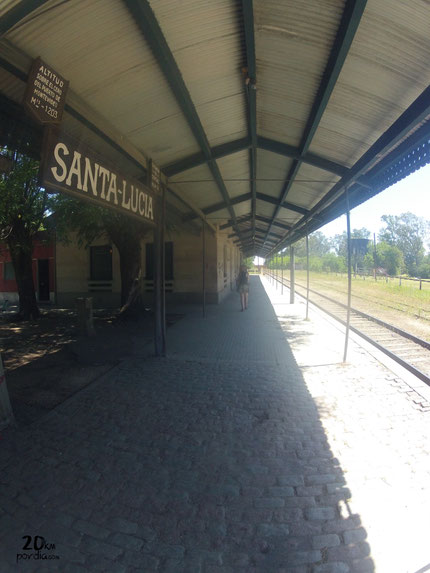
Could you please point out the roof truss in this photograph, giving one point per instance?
(369, 165)
(148, 24)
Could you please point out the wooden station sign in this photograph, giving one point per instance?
(45, 95)
(74, 168)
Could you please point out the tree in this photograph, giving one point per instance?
(91, 222)
(23, 208)
(319, 245)
(407, 232)
(334, 264)
(386, 257)
(424, 268)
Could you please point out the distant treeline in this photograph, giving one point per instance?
(399, 248)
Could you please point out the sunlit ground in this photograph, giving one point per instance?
(381, 441)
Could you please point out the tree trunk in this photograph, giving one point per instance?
(126, 235)
(21, 249)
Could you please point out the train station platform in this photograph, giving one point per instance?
(250, 449)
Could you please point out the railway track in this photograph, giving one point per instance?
(411, 352)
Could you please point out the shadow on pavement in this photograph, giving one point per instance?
(194, 463)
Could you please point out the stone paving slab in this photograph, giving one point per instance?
(376, 427)
(242, 452)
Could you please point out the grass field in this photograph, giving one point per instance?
(403, 305)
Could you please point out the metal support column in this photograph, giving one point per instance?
(307, 275)
(292, 279)
(282, 273)
(204, 268)
(159, 304)
(374, 256)
(348, 312)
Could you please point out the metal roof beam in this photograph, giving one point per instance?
(226, 149)
(350, 21)
(148, 24)
(235, 201)
(197, 159)
(251, 80)
(294, 152)
(275, 223)
(285, 204)
(256, 233)
(239, 222)
(20, 11)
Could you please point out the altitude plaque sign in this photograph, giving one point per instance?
(75, 169)
(45, 95)
(154, 177)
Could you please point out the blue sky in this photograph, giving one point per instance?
(412, 194)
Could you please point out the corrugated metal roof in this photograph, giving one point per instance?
(235, 172)
(386, 69)
(203, 37)
(293, 40)
(310, 182)
(198, 186)
(272, 170)
(322, 88)
(109, 64)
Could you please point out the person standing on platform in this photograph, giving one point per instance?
(242, 283)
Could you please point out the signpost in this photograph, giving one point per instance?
(45, 95)
(154, 177)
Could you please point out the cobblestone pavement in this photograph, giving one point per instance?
(250, 449)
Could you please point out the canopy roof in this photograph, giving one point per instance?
(260, 113)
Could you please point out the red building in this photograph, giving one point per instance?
(43, 272)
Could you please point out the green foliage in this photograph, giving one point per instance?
(423, 271)
(407, 232)
(90, 222)
(389, 258)
(249, 263)
(332, 263)
(319, 245)
(23, 204)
